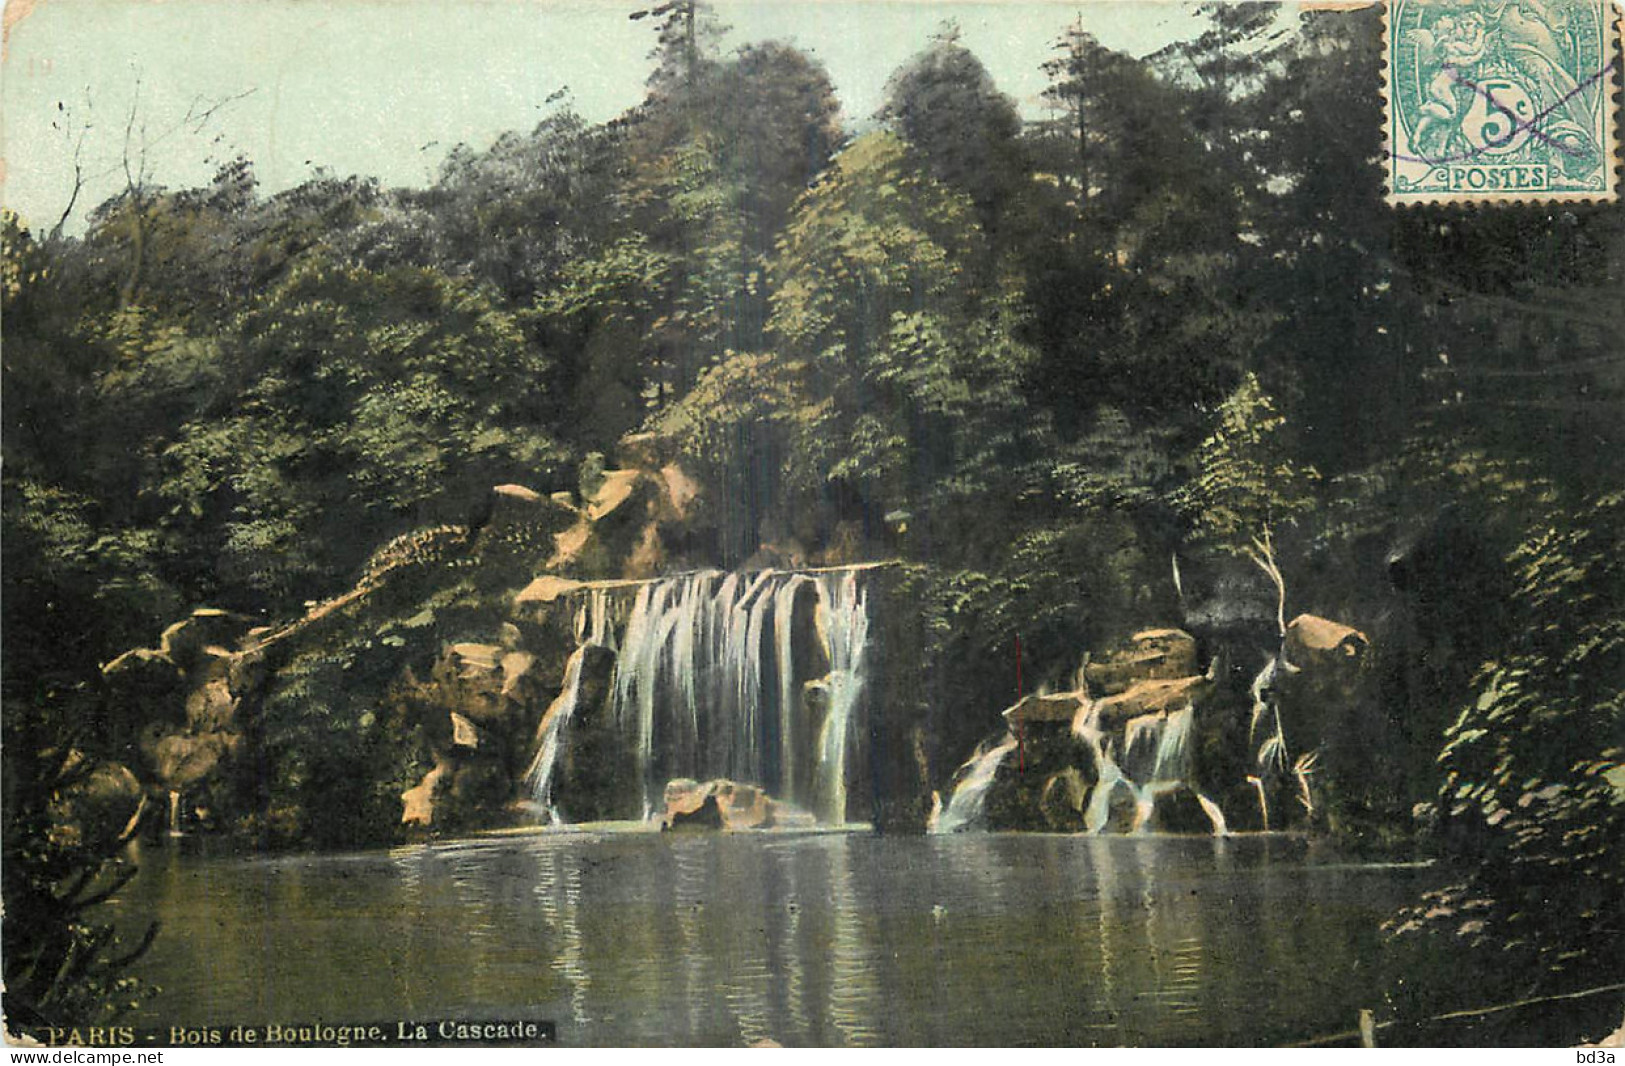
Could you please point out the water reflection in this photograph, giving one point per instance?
(826, 939)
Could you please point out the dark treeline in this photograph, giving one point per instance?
(1040, 358)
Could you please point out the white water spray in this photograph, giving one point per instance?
(708, 683)
(970, 795)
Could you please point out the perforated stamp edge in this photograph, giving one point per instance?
(1613, 26)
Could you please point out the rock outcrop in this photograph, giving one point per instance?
(101, 806)
(1298, 704)
(1119, 754)
(1150, 655)
(453, 640)
(183, 700)
(727, 805)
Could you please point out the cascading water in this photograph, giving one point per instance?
(843, 617)
(1156, 761)
(712, 680)
(539, 777)
(965, 804)
(592, 629)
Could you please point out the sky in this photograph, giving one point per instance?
(384, 88)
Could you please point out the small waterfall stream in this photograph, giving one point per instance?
(539, 777)
(592, 629)
(964, 806)
(1149, 757)
(1155, 760)
(757, 677)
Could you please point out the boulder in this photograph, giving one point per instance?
(569, 545)
(1051, 709)
(645, 451)
(205, 630)
(516, 505)
(613, 493)
(1151, 697)
(517, 493)
(1149, 655)
(148, 687)
(418, 802)
(1180, 810)
(246, 672)
(474, 660)
(1315, 641)
(691, 807)
(523, 525)
(648, 558)
(1061, 800)
(723, 804)
(486, 684)
(681, 490)
(140, 666)
(515, 667)
(544, 590)
(464, 734)
(101, 808)
(210, 707)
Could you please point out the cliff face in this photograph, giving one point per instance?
(412, 696)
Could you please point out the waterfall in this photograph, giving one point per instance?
(592, 629)
(844, 620)
(784, 601)
(539, 777)
(174, 813)
(1155, 760)
(970, 794)
(712, 676)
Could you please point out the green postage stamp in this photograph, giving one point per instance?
(1501, 100)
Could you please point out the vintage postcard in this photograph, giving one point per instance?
(717, 523)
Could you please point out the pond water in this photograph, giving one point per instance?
(818, 939)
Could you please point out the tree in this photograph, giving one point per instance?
(1229, 60)
(1131, 255)
(517, 214)
(1246, 485)
(944, 103)
(65, 964)
(349, 404)
(712, 164)
(1075, 75)
(776, 130)
(685, 33)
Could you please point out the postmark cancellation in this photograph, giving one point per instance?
(1501, 100)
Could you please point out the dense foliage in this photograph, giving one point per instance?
(1038, 360)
